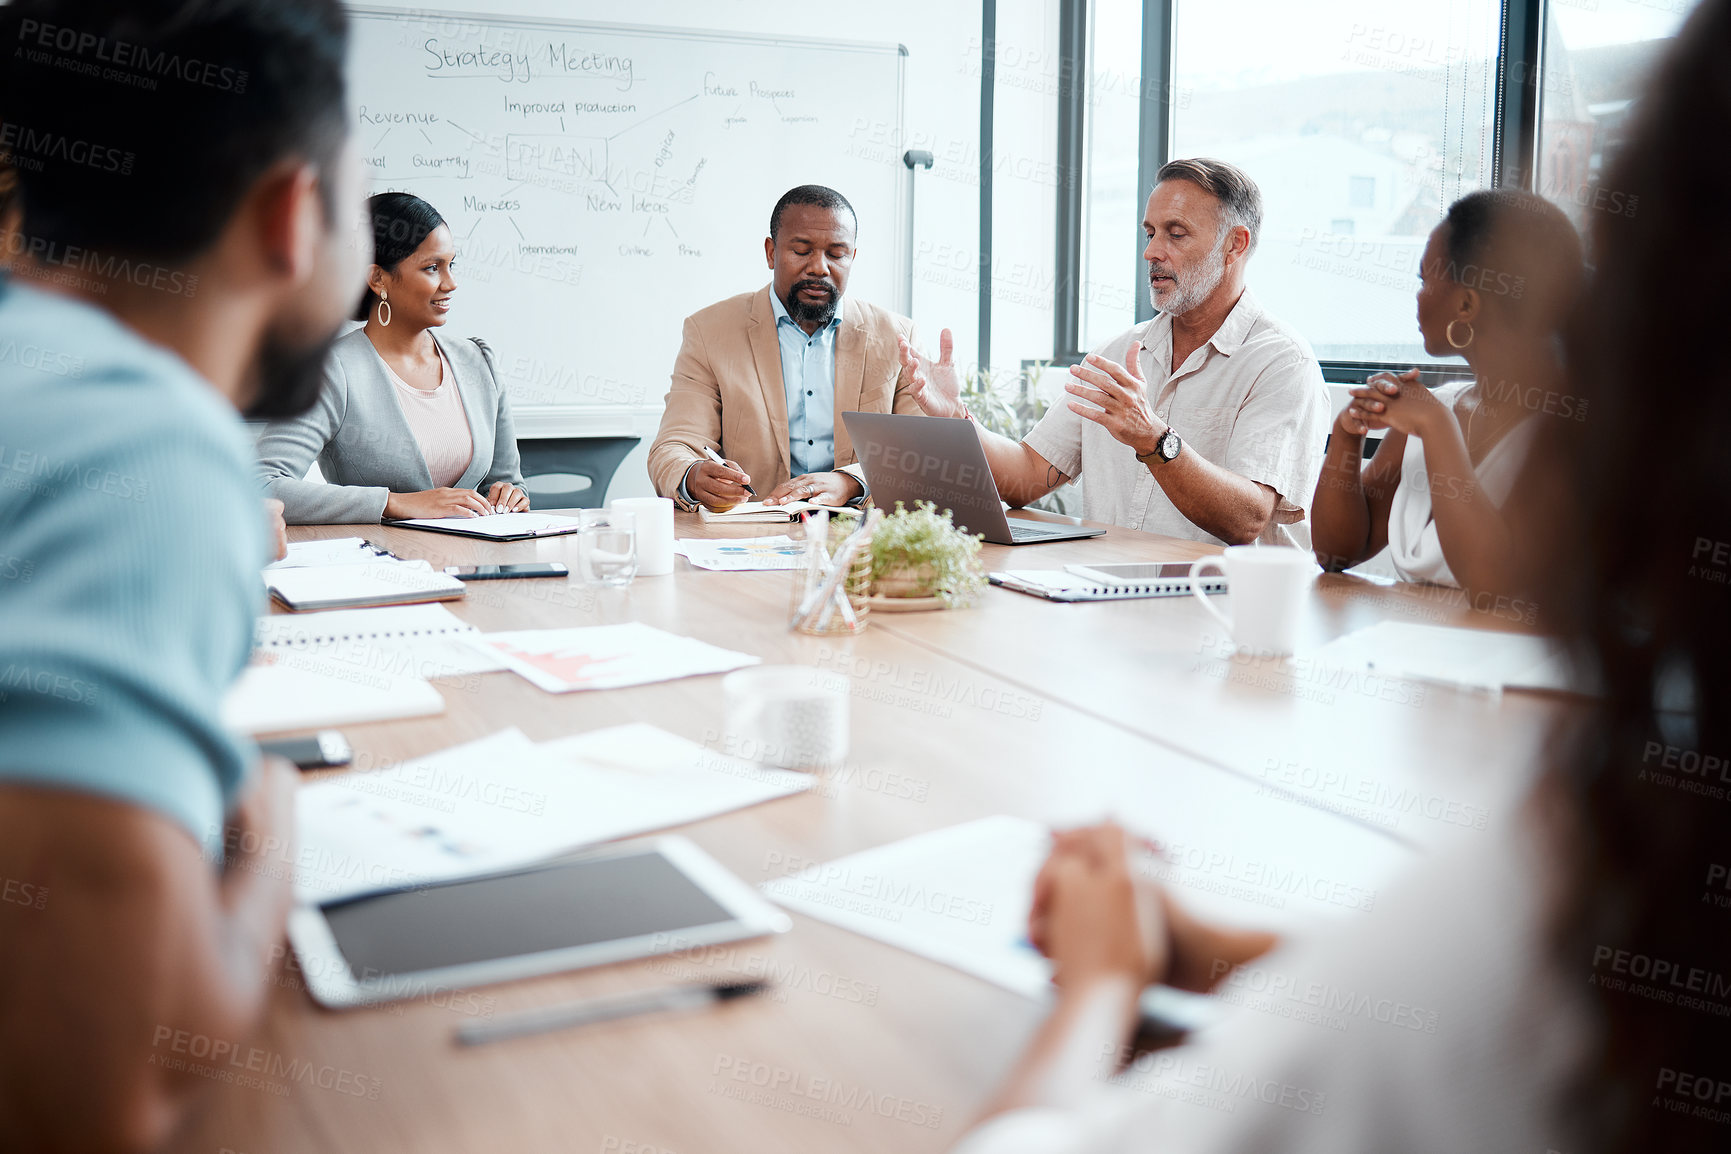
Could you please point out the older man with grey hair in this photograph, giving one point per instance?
(1206, 422)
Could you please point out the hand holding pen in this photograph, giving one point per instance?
(717, 482)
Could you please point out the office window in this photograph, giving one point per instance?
(1111, 202)
(1373, 113)
(1598, 55)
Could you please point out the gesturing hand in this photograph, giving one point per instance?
(1117, 399)
(936, 384)
(437, 503)
(1091, 917)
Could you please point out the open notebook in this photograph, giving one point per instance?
(755, 512)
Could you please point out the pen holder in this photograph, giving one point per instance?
(829, 619)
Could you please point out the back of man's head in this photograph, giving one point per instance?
(137, 128)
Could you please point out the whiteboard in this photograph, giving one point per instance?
(604, 181)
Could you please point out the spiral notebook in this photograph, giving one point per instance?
(418, 640)
(352, 586)
(1058, 585)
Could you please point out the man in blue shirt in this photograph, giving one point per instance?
(761, 376)
(185, 244)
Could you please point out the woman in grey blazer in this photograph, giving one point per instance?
(407, 425)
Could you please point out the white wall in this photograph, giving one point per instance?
(942, 115)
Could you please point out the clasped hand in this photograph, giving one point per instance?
(1092, 917)
(1387, 401)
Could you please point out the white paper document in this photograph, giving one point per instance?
(331, 551)
(284, 690)
(1473, 659)
(744, 553)
(505, 801)
(608, 656)
(959, 896)
(417, 640)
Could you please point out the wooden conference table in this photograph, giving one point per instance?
(1284, 794)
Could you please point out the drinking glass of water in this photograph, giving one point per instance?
(607, 547)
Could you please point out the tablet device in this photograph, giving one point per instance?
(1153, 579)
(613, 905)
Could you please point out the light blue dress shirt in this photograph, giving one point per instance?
(808, 379)
(808, 382)
(131, 535)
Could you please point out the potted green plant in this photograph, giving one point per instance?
(920, 553)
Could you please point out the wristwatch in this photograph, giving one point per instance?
(1165, 449)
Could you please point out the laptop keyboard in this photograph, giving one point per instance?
(1022, 533)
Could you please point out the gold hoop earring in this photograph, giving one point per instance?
(384, 311)
(1450, 334)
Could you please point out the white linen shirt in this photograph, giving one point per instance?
(1250, 400)
(1438, 1022)
(1414, 549)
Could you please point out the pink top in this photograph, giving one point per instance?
(440, 426)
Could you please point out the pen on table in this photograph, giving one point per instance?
(719, 460)
(1491, 689)
(605, 1009)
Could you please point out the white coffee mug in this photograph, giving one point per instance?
(654, 532)
(791, 716)
(1269, 585)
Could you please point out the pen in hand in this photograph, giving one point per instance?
(719, 460)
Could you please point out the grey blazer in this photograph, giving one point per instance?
(361, 440)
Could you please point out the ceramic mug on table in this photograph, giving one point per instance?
(654, 532)
(1269, 585)
(791, 716)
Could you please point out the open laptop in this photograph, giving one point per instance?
(939, 459)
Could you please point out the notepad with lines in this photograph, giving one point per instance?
(423, 640)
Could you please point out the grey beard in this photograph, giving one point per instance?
(1193, 288)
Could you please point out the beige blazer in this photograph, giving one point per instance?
(727, 391)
